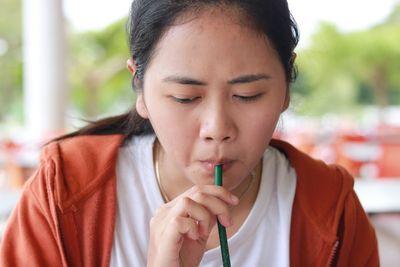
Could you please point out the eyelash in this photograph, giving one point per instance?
(192, 99)
(184, 100)
(248, 98)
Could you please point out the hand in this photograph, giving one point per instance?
(180, 229)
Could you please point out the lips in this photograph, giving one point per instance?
(209, 165)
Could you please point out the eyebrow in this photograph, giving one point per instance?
(249, 78)
(238, 80)
(183, 80)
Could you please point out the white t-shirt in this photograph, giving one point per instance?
(262, 240)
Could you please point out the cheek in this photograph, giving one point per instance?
(260, 129)
(175, 125)
(260, 139)
(265, 116)
(176, 133)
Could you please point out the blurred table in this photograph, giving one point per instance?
(379, 195)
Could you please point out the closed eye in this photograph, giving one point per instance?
(248, 98)
(184, 100)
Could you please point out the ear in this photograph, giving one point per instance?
(141, 106)
(131, 66)
(293, 58)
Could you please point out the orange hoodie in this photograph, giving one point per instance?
(66, 214)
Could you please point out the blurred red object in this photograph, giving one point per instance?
(389, 140)
(373, 155)
(356, 154)
(365, 154)
(15, 165)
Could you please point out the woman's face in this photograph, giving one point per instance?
(213, 91)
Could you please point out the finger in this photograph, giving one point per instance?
(216, 191)
(182, 226)
(186, 207)
(168, 242)
(215, 205)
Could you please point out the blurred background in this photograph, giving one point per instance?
(63, 62)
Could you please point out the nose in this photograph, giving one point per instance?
(218, 124)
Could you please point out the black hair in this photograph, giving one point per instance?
(150, 19)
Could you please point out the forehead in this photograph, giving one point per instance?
(207, 18)
(212, 30)
(231, 14)
(214, 18)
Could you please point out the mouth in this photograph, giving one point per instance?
(209, 165)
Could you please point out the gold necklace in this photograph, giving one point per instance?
(163, 194)
(162, 190)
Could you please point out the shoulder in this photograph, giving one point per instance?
(312, 172)
(72, 168)
(321, 189)
(82, 147)
(326, 211)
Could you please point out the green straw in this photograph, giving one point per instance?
(223, 241)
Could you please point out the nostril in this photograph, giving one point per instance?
(227, 138)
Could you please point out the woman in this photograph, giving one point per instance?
(212, 78)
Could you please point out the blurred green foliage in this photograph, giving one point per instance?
(10, 60)
(100, 82)
(342, 72)
(338, 72)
